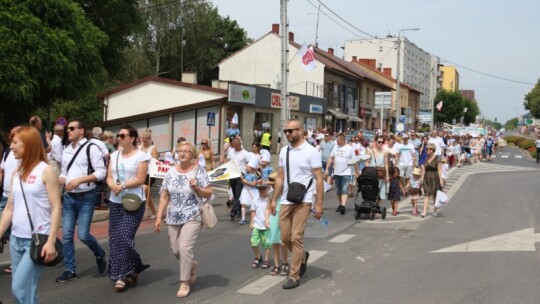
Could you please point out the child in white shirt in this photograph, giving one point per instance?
(260, 229)
(444, 170)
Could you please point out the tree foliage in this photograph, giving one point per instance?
(48, 50)
(511, 124)
(454, 104)
(532, 101)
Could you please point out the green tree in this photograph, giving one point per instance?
(454, 105)
(48, 50)
(532, 100)
(511, 124)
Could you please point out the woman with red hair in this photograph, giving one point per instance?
(35, 184)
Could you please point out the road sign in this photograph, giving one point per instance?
(384, 99)
(211, 119)
(60, 120)
(529, 121)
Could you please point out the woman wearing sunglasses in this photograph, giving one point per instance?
(208, 154)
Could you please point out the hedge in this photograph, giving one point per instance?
(524, 143)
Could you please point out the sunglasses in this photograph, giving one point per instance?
(72, 128)
(203, 143)
(289, 131)
(380, 142)
(121, 136)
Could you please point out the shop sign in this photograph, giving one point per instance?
(241, 94)
(315, 109)
(294, 102)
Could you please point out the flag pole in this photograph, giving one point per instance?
(284, 65)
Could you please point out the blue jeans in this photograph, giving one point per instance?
(78, 208)
(26, 273)
(342, 184)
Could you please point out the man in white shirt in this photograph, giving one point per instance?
(416, 142)
(340, 157)
(406, 156)
(438, 142)
(55, 156)
(304, 167)
(80, 197)
(240, 157)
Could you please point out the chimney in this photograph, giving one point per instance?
(387, 72)
(331, 51)
(354, 58)
(275, 28)
(291, 36)
(369, 62)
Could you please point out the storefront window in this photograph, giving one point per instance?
(311, 122)
(262, 122)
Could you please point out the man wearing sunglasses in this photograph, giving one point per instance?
(80, 197)
(304, 167)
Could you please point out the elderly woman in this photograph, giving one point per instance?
(126, 174)
(183, 188)
(34, 186)
(432, 181)
(207, 153)
(379, 160)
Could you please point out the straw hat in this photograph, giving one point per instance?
(416, 171)
(272, 176)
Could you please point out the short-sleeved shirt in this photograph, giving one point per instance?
(406, 154)
(342, 155)
(439, 145)
(259, 206)
(127, 170)
(240, 158)
(183, 202)
(326, 148)
(302, 160)
(266, 171)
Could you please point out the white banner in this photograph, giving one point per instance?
(157, 169)
(228, 170)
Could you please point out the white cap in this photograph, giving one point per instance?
(265, 155)
(253, 161)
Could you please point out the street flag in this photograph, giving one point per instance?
(465, 110)
(307, 58)
(439, 106)
(234, 120)
(228, 170)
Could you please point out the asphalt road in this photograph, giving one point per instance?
(403, 259)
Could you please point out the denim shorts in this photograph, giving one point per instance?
(342, 184)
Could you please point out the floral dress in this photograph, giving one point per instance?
(394, 192)
(431, 177)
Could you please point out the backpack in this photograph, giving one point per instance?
(90, 169)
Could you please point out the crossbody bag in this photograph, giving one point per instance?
(296, 191)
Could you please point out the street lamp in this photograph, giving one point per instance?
(398, 90)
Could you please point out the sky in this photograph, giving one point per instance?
(495, 37)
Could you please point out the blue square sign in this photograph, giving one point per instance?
(211, 119)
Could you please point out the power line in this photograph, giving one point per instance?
(342, 26)
(361, 31)
(486, 74)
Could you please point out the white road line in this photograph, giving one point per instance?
(261, 285)
(342, 238)
(519, 156)
(504, 156)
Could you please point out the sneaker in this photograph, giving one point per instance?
(242, 222)
(303, 266)
(101, 264)
(342, 210)
(284, 269)
(291, 283)
(66, 276)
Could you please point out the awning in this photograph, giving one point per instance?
(340, 115)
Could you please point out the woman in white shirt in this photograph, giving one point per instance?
(39, 182)
(126, 174)
(147, 147)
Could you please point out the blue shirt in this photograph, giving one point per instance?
(266, 171)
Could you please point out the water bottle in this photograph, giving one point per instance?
(324, 221)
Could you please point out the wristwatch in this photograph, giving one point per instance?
(123, 186)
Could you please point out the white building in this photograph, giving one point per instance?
(417, 68)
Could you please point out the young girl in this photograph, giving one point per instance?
(413, 187)
(394, 192)
(260, 227)
(274, 236)
(249, 192)
(444, 170)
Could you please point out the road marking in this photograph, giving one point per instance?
(342, 238)
(504, 156)
(520, 240)
(519, 156)
(266, 282)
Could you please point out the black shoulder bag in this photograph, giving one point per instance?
(296, 191)
(39, 240)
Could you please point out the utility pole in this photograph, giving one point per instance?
(284, 64)
(317, 27)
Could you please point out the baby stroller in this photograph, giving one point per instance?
(466, 156)
(368, 184)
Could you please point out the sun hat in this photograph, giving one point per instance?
(416, 171)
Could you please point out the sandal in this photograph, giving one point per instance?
(120, 285)
(265, 265)
(275, 271)
(284, 269)
(8, 270)
(256, 262)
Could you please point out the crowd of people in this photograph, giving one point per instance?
(74, 171)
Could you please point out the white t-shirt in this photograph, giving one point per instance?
(128, 170)
(38, 204)
(240, 158)
(9, 166)
(439, 144)
(259, 206)
(406, 154)
(358, 147)
(302, 161)
(342, 155)
(56, 148)
(537, 143)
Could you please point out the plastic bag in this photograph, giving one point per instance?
(441, 199)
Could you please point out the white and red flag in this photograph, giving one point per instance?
(307, 58)
(439, 106)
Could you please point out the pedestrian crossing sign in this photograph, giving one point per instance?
(211, 119)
